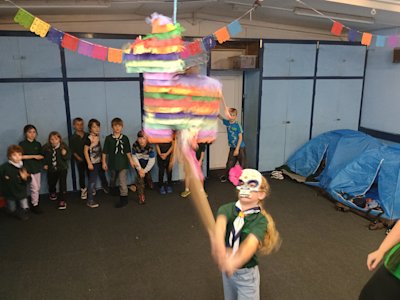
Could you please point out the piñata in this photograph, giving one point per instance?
(175, 97)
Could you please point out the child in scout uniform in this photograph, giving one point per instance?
(56, 156)
(116, 158)
(76, 144)
(33, 161)
(14, 180)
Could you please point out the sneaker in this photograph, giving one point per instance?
(106, 190)
(169, 189)
(185, 193)
(132, 188)
(141, 199)
(92, 204)
(36, 210)
(53, 196)
(62, 205)
(162, 190)
(223, 178)
(84, 193)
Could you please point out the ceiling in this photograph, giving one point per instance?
(359, 14)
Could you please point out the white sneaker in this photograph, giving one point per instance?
(84, 193)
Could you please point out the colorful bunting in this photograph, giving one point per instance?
(115, 55)
(70, 42)
(209, 42)
(392, 41)
(380, 41)
(222, 35)
(100, 52)
(54, 35)
(366, 39)
(337, 28)
(234, 28)
(85, 48)
(24, 18)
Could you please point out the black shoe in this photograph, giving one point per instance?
(123, 201)
(36, 210)
(23, 214)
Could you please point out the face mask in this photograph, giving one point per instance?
(249, 181)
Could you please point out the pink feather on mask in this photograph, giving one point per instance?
(234, 174)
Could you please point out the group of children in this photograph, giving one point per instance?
(242, 227)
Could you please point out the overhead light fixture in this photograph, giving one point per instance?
(388, 5)
(335, 16)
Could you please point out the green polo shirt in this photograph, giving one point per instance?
(117, 160)
(13, 187)
(33, 166)
(255, 224)
(76, 144)
(392, 261)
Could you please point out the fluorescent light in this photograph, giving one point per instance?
(388, 5)
(335, 16)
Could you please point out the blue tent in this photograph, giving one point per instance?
(356, 165)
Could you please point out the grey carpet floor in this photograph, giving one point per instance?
(160, 250)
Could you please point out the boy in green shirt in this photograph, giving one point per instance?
(76, 144)
(117, 149)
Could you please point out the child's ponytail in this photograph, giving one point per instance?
(272, 240)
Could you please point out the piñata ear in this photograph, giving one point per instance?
(234, 174)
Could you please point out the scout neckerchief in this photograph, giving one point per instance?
(54, 156)
(17, 165)
(238, 223)
(119, 146)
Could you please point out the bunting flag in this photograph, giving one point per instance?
(366, 39)
(209, 42)
(195, 48)
(337, 28)
(54, 35)
(115, 55)
(222, 35)
(234, 28)
(85, 48)
(392, 41)
(24, 18)
(70, 42)
(40, 27)
(100, 52)
(380, 41)
(353, 35)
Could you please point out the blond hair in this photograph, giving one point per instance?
(272, 240)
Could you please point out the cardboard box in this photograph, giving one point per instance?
(244, 61)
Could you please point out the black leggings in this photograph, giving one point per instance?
(163, 166)
(232, 160)
(382, 285)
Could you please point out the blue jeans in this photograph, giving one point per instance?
(12, 204)
(244, 284)
(93, 175)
